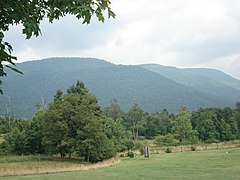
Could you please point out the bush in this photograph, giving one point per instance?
(5, 148)
(130, 154)
(212, 140)
(168, 150)
(121, 155)
(167, 140)
(193, 148)
(139, 144)
(141, 150)
(128, 144)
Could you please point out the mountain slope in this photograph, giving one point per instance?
(107, 81)
(216, 75)
(209, 81)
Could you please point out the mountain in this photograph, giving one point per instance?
(209, 81)
(128, 84)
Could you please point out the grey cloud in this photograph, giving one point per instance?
(68, 34)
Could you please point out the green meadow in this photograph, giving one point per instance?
(209, 164)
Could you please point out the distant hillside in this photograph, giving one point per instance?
(107, 81)
(217, 76)
(209, 81)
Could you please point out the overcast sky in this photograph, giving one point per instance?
(181, 33)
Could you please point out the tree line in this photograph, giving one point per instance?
(75, 125)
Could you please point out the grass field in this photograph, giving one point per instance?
(209, 164)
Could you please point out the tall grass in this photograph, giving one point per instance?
(30, 158)
(40, 167)
(198, 147)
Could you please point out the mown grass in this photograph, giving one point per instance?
(209, 164)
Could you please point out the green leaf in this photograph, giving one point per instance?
(14, 69)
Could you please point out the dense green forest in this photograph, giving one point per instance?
(155, 89)
(75, 125)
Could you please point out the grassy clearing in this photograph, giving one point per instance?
(209, 164)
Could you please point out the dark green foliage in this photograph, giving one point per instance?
(158, 123)
(152, 125)
(5, 148)
(34, 134)
(236, 118)
(74, 123)
(3, 125)
(93, 144)
(206, 127)
(16, 141)
(129, 144)
(16, 137)
(238, 106)
(168, 150)
(215, 124)
(130, 154)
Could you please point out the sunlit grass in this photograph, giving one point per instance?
(209, 164)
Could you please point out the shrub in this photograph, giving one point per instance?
(168, 150)
(141, 150)
(130, 154)
(167, 140)
(5, 148)
(128, 144)
(121, 155)
(212, 140)
(193, 148)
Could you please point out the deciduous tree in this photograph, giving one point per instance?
(182, 127)
(135, 120)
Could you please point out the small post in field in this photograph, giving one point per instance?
(146, 152)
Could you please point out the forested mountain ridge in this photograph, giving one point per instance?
(107, 81)
(209, 81)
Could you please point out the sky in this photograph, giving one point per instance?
(180, 33)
